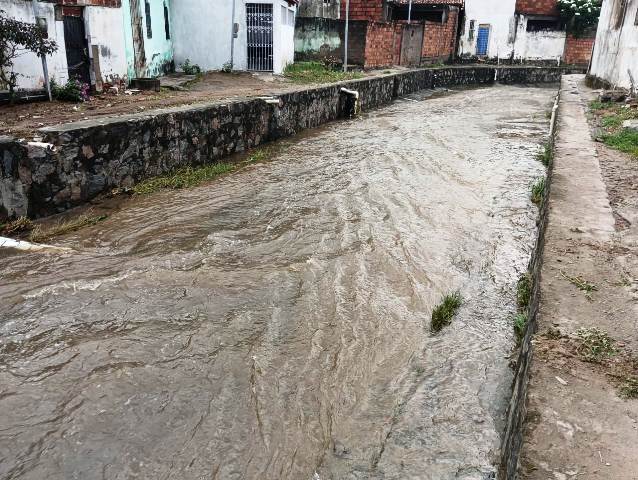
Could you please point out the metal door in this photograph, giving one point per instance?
(139, 54)
(77, 53)
(482, 40)
(259, 32)
(411, 44)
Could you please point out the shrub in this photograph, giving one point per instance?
(190, 68)
(72, 91)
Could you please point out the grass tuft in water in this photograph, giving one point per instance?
(41, 234)
(183, 178)
(595, 345)
(520, 323)
(538, 191)
(444, 312)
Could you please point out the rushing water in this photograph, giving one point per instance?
(274, 324)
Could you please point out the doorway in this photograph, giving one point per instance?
(411, 44)
(259, 32)
(77, 49)
(482, 40)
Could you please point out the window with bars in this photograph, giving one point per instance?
(259, 36)
(147, 15)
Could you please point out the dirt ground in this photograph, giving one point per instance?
(23, 120)
(580, 423)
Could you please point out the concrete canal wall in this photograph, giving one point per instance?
(517, 410)
(75, 162)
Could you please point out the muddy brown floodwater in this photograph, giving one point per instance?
(274, 324)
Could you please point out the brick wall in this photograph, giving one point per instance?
(383, 44)
(537, 7)
(578, 50)
(91, 3)
(364, 10)
(439, 39)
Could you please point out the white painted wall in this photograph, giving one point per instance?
(104, 28)
(499, 14)
(29, 65)
(616, 50)
(202, 33)
(544, 45)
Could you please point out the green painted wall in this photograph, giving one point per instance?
(158, 49)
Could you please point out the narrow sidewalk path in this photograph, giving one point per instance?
(578, 424)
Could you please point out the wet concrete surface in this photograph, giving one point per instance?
(274, 324)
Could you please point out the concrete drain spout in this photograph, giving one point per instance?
(353, 109)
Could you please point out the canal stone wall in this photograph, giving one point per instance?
(517, 411)
(76, 162)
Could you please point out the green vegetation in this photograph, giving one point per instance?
(41, 234)
(444, 312)
(580, 283)
(612, 116)
(520, 322)
(546, 155)
(629, 387)
(626, 141)
(315, 72)
(523, 291)
(183, 178)
(598, 105)
(595, 345)
(192, 176)
(190, 68)
(538, 191)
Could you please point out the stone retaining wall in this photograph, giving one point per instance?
(87, 158)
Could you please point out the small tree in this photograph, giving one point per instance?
(16, 39)
(580, 15)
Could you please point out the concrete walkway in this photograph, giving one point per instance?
(578, 426)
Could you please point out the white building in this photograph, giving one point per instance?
(494, 22)
(515, 30)
(264, 40)
(615, 57)
(93, 45)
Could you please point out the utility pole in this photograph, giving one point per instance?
(232, 36)
(45, 69)
(345, 47)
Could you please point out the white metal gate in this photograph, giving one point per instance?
(259, 29)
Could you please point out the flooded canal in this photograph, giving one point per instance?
(274, 324)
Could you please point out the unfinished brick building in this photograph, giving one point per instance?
(381, 35)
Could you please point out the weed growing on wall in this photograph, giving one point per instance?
(538, 191)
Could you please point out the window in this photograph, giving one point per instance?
(418, 13)
(147, 12)
(472, 26)
(544, 24)
(167, 27)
